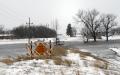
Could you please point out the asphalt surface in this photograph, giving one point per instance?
(100, 48)
(12, 50)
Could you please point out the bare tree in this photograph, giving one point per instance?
(90, 19)
(1, 29)
(74, 31)
(108, 22)
(85, 33)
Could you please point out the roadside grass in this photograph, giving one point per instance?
(57, 53)
(98, 63)
(60, 61)
(7, 61)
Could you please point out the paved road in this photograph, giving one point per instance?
(12, 49)
(99, 48)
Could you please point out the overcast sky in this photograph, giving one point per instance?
(16, 12)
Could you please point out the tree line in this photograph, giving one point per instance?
(33, 32)
(23, 31)
(95, 24)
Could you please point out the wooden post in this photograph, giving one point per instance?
(31, 49)
(50, 44)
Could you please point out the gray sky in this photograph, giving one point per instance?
(16, 12)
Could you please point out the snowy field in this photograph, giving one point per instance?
(20, 41)
(79, 66)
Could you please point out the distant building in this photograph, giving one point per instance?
(7, 36)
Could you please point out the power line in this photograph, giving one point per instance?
(8, 13)
(11, 12)
(8, 18)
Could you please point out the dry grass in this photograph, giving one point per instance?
(22, 58)
(100, 64)
(7, 61)
(57, 52)
(57, 60)
(78, 73)
(84, 54)
(60, 61)
(67, 62)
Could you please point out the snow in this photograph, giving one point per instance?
(41, 67)
(116, 50)
(61, 38)
(19, 41)
(15, 41)
(114, 37)
(73, 39)
(48, 67)
(6, 34)
(79, 66)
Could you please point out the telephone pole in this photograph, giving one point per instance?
(56, 28)
(29, 30)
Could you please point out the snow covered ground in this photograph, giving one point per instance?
(15, 41)
(62, 38)
(79, 66)
(116, 50)
(18, 41)
(114, 37)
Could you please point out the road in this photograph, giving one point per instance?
(12, 50)
(99, 48)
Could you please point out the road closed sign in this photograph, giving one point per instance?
(40, 49)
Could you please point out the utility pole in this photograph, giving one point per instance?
(29, 36)
(56, 28)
